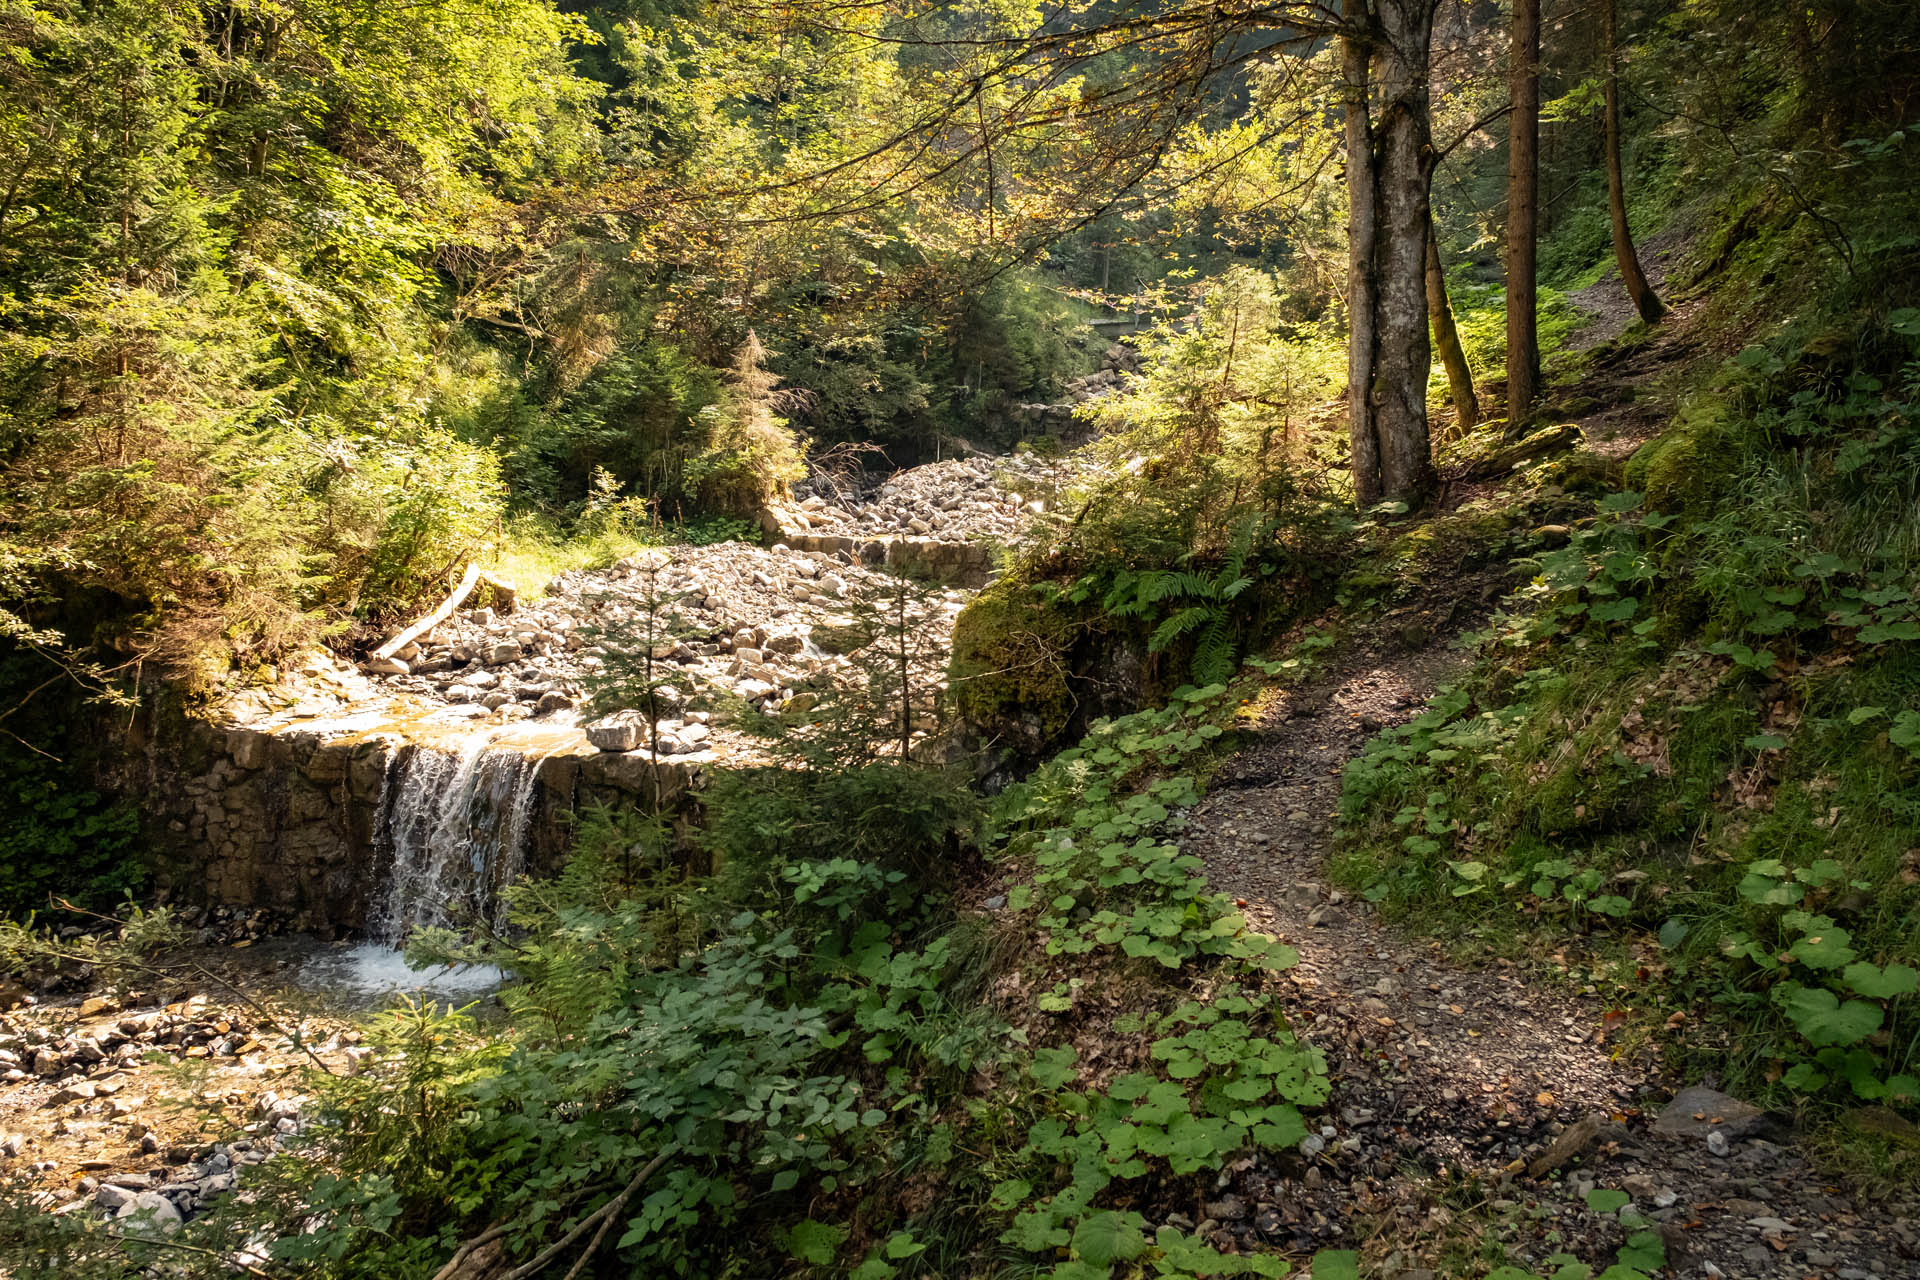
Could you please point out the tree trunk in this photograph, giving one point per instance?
(1356, 52)
(1389, 173)
(1523, 200)
(1446, 340)
(1645, 300)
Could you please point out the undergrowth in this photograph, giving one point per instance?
(1693, 738)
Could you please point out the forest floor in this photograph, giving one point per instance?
(1484, 1112)
(1478, 1105)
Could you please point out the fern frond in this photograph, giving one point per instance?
(1184, 582)
(1178, 625)
(1213, 654)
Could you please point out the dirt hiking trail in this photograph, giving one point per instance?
(1484, 1102)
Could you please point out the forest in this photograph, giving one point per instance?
(802, 638)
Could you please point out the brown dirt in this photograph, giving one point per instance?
(1452, 1080)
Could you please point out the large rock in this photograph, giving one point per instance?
(621, 731)
(149, 1211)
(1699, 1111)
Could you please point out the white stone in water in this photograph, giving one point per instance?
(620, 731)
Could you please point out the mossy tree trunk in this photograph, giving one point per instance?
(1446, 340)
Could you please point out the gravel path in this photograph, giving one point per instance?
(1480, 1102)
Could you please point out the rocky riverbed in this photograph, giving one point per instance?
(148, 1105)
(998, 500)
(728, 626)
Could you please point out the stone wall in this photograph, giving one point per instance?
(287, 816)
(960, 564)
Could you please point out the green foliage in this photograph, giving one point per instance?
(1106, 884)
(62, 836)
(1690, 722)
(1188, 605)
(1212, 432)
(764, 1030)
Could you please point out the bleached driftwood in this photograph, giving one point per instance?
(468, 580)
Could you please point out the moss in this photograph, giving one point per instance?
(1687, 469)
(1010, 659)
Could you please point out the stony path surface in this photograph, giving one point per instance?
(1477, 1102)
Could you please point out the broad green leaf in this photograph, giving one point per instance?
(1336, 1264)
(1876, 983)
(1109, 1237)
(1052, 1068)
(1607, 1200)
(1827, 949)
(815, 1242)
(1820, 1016)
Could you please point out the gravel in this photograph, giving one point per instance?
(1445, 1071)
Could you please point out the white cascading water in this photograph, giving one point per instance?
(452, 832)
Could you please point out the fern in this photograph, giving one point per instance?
(1200, 604)
(1179, 624)
(1213, 654)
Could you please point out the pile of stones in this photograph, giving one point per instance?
(963, 500)
(771, 627)
(80, 1090)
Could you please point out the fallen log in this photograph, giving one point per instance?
(468, 581)
(1539, 445)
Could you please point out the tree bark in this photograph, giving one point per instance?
(1645, 300)
(1446, 340)
(1523, 205)
(1356, 53)
(1390, 162)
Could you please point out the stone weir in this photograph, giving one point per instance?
(410, 790)
(375, 818)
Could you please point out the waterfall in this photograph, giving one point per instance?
(454, 822)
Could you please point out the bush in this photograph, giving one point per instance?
(750, 457)
(61, 836)
(401, 509)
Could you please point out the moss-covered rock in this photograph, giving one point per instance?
(1012, 662)
(1688, 469)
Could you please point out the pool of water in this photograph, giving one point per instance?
(370, 972)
